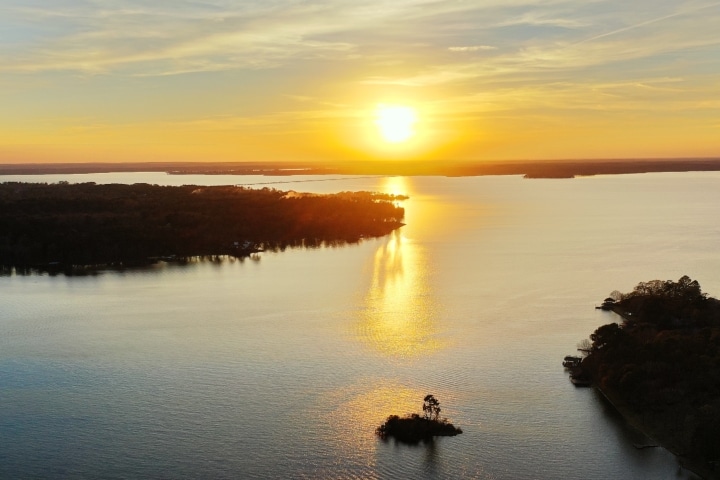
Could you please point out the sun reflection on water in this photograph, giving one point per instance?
(396, 186)
(399, 315)
(359, 410)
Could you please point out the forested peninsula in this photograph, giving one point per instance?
(75, 226)
(660, 367)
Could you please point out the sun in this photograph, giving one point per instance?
(395, 122)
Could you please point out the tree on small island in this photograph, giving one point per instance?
(413, 428)
(431, 407)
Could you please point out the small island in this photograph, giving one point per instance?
(660, 367)
(413, 428)
(66, 227)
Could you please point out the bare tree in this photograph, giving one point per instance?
(616, 295)
(584, 346)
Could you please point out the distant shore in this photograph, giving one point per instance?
(527, 168)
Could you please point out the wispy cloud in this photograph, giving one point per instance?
(292, 62)
(472, 48)
(167, 38)
(101, 37)
(651, 44)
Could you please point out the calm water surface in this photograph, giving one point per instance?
(281, 366)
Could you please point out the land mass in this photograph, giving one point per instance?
(660, 367)
(528, 168)
(66, 226)
(413, 429)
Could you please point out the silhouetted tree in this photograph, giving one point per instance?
(431, 407)
(605, 335)
(663, 363)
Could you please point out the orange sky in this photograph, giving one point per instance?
(88, 81)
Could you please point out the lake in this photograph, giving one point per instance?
(283, 364)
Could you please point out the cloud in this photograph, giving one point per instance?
(164, 37)
(494, 55)
(668, 43)
(472, 48)
(161, 39)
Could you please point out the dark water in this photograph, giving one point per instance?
(282, 366)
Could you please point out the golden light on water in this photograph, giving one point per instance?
(371, 405)
(360, 409)
(399, 315)
(396, 186)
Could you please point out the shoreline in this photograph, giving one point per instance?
(540, 169)
(67, 226)
(697, 467)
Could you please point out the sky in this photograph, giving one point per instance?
(295, 80)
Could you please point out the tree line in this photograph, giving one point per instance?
(663, 363)
(85, 224)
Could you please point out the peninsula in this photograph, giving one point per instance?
(660, 367)
(65, 226)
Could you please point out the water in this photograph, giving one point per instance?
(282, 366)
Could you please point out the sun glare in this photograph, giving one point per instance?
(395, 122)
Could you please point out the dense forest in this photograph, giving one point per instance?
(662, 364)
(65, 226)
